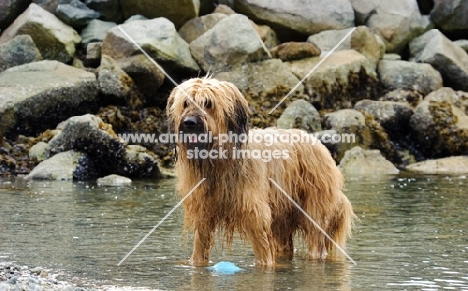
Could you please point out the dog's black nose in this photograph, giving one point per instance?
(190, 121)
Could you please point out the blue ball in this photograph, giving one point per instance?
(226, 268)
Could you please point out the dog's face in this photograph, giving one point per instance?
(203, 105)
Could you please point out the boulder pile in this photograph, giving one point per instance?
(76, 75)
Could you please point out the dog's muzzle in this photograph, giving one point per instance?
(191, 128)
(190, 122)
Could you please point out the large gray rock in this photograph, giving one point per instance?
(61, 166)
(36, 96)
(138, 162)
(147, 77)
(90, 135)
(20, 50)
(354, 128)
(362, 40)
(344, 78)
(9, 10)
(445, 166)
(158, 37)
(328, 39)
(231, 42)
(408, 75)
(393, 116)
(345, 122)
(131, 81)
(264, 83)
(195, 27)
(446, 57)
(261, 79)
(54, 39)
(365, 41)
(95, 31)
(108, 9)
(397, 22)
(116, 83)
(440, 124)
(450, 15)
(300, 114)
(358, 161)
(304, 17)
(345, 119)
(76, 13)
(177, 11)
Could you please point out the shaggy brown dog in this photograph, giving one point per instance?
(237, 194)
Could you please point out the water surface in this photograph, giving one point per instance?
(412, 236)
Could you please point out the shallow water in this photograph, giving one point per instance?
(412, 236)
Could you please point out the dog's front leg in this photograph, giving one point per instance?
(202, 243)
(259, 231)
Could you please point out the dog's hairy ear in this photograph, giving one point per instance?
(239, 123)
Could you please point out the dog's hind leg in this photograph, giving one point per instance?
(338, 227)
(317, 245)
(285, 246)
(283, 238)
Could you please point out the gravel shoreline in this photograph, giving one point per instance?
(14, 277)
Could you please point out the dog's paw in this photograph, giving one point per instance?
(199, 263)
(318, 255)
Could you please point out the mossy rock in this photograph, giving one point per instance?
(440, 124)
